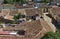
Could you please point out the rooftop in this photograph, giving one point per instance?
(56, 10)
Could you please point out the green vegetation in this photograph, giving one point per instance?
(52, 35)
(8, 1)
(12, 22)
(45, 1)
(22, 1)
(14, 1)
(17, 17)
(2, 22)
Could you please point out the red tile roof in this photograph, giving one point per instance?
(55, 10)
(32, 12)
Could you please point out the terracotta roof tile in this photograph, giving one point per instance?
(56, 10)
(31, 28)
(31, 12)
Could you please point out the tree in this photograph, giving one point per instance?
(5, 1)
(8, 1)
(49, 35)
(48, 1)
(58, 33)
(45, 1)
(21, 1)
(14, 1)
(52, 35)
(17, 17)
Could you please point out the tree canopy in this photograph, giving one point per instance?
(14, 1)
(45, 1)
(22, 1)
(8, 1)
(52, 35)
